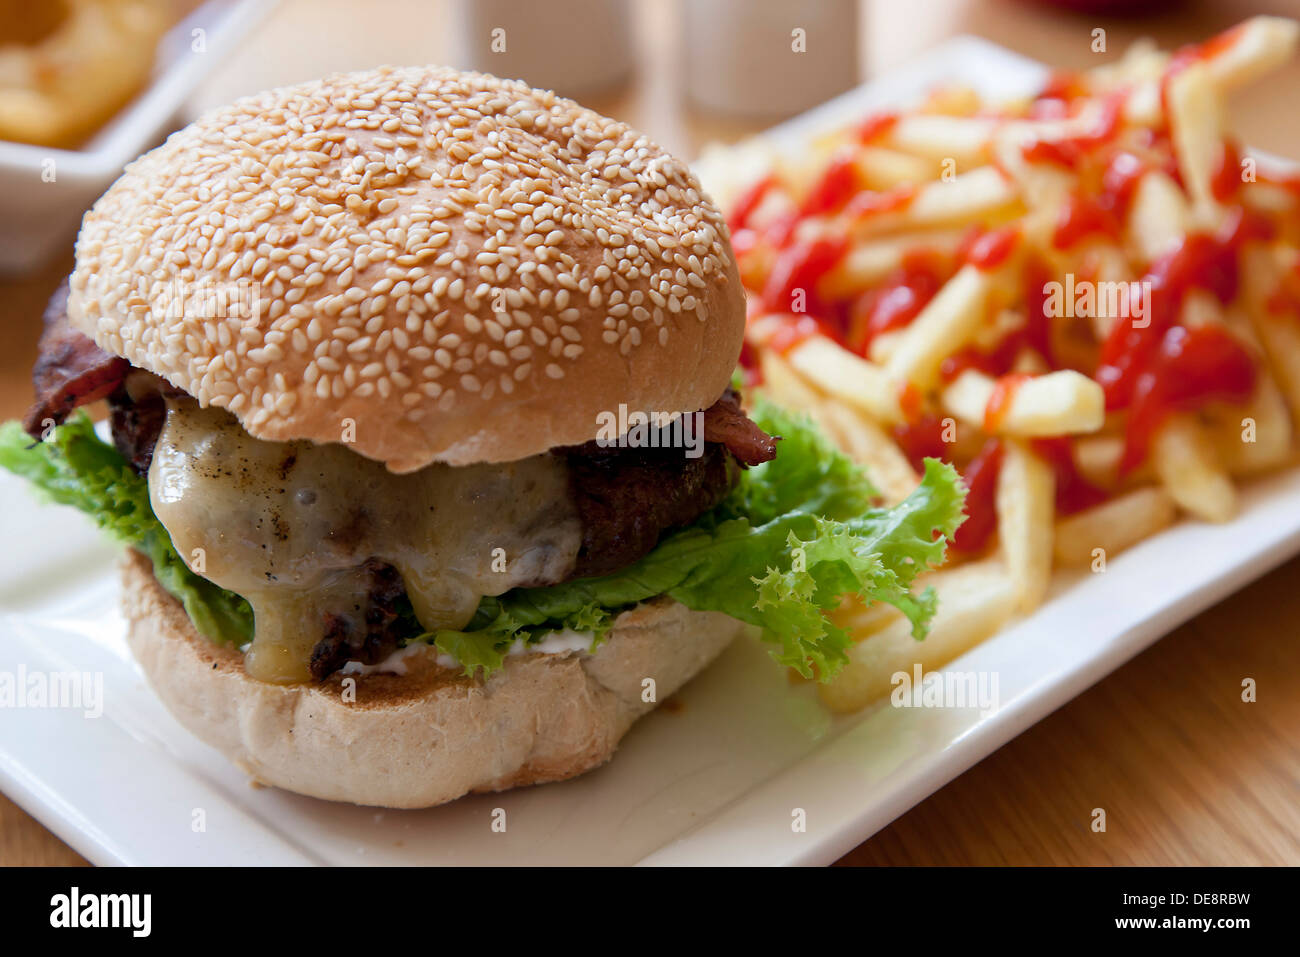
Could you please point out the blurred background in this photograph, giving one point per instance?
(85, 85)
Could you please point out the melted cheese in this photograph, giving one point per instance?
(289, 524)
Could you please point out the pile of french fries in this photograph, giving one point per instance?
(995, 197)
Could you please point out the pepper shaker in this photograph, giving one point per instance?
(768, 58)
(578, 48)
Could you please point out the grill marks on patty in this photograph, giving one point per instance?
(627, 498)
(368, 637)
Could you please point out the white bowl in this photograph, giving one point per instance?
(44, 191)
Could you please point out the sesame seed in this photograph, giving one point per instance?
(384, 215)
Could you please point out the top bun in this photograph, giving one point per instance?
(469, 269)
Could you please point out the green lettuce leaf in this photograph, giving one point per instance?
(795, 535)
(74, 466)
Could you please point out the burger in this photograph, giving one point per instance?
(424, 439)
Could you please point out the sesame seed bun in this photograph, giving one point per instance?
(431, 735)
(467, 268)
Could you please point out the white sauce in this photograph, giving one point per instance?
(555, 643)
(562, 642)
(394, 664)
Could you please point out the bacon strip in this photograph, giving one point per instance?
(726, 422)
(70, 369)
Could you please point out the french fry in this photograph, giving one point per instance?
(1064, 402)
(1143, 106)
(1258, 436)
(996, 328)
(863, 621)
(1113, 526)
(1159, 217)
(863, 440)
(786, 386)
(1195, 97)
(964, 199)
(1281, 340)
(1186, 464)
(1026, 505)
(975, 600)
(1258, 46)
(968, 197)
(1139, 71)
(1196, 122)
(727, 171)
(881, 168)
(868, 263)
(960, 168)
(962, 139)
(867, 444)
(1278, 333)
(854, 380)
(1097, 458)
(952, 100)
(883, 346)
(946, 324)
(1113, 266)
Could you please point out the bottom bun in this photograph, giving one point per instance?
(432, 734)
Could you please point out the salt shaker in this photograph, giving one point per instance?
(768, 58)
(576, 47)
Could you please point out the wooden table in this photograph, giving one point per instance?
(1187, 772)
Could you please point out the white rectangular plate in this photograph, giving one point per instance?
(713, 781)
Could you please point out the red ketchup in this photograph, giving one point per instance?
(1227, 173)
(920, 438)
(794, 331)
(836, 186)
(877, 202)
(989, 250)
(1060, 89)
(999, 403)
(1191, 366)
(1120, 180)
(1038, 324)
(876, 126)
(1286, 298)
(1061, 152)
(751, 372)
(748, 201)
(1074, 493)
(1069, 151)
(1186, 56)
(910, 401)
(995, 363)
(801, 266)
(981, 478)
(1199, 262)
(1084, 216)
(898, 300)
(1103, 212)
